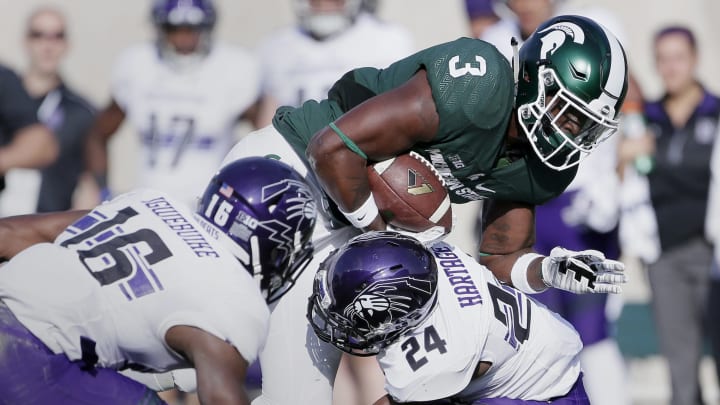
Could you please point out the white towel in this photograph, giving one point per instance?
(638, 223)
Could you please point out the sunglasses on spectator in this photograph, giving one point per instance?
(38, 34)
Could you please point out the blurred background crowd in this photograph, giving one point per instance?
(84, 86)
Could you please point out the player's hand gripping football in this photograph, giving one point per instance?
(587, 271)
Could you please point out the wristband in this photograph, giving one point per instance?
(363, 216)
(518, 274)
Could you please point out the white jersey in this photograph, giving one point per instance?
(186, 119)
(116, 280)
(299, 68)
(533, 351)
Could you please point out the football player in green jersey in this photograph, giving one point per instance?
(509, 134)
(455, 104)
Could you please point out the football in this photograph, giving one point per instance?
(410, 193)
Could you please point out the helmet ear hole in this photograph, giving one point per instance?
(276, 257)
(397, 267)
(272, 208)
(273, 255)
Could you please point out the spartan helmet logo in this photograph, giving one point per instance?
(385, 301)
(554, 36)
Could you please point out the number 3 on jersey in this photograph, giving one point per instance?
(431, 341)
(476, 68)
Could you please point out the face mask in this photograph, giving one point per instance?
(326, 25)
(184, 62)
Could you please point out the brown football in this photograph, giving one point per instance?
(410, 193)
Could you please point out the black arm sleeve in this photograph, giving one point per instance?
(17, 110)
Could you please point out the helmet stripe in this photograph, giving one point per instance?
(616, 78)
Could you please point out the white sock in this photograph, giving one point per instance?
(604, 373)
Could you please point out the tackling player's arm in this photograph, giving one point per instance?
(253, 114)
(506, 249)
(105, 126)
(266, 110)
(20, 232)
(508, 232)
(220, 367)
(381, 127)
(33, 146)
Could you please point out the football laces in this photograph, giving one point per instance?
(427, 163)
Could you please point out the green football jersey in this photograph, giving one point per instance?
(473, 89)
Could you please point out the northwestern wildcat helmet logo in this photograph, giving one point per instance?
(384, 301)
(417, 185)
(303, 204)
(301, 207)
(286, 233)
(556, 36)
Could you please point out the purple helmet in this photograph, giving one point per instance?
(371, 291)
(189, 13)
(268, 211)
(198, 15)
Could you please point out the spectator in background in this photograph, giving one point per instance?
(520, 20)
(584, 217)
(183, 92)
(481, 15)
(370, 6)
(684, 122)
(331, 37)
(61, 109)
(712, 229)
(24, 142)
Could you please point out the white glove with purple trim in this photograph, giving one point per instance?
(587, 271)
